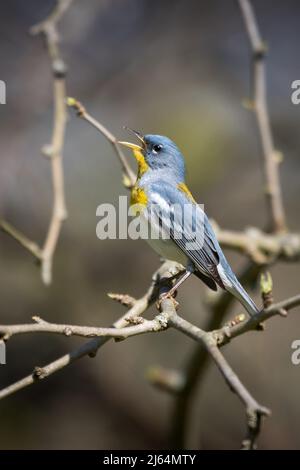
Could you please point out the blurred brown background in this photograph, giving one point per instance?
(170, 67)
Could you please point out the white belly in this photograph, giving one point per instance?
(165, 247)
(168, 250)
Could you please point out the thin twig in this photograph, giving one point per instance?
(271, 160)
(196, 365)
(55, 16)
(91, 347)
(42, 326)
(210, 340)
(54, 151)
(129, 176)
(228, 332)
(254, 411)
(28, 244)
(262, 248)
(59, 213)
(123, 299)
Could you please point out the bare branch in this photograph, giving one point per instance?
(55, 16)
(129, 176)
(28, 244)
(123, 299)
(59, 213)
(197, 363)
(91, 347)
(211, 341)
(261, 247)
(54, 151)
(271, 160)
(227, 333)
(42, 326)
(254, 411)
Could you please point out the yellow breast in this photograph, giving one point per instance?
(138, 198)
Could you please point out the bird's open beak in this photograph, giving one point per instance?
(130, 145)
(134, 147)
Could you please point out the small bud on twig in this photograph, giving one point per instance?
(266, 288)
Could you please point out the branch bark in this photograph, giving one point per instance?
(262, 248)
(228, 332)
(129, 176)
(254, 411)
(48, 28)
(211, 341)
(28, 244)
(196, 365)
(271, 158)
(89, 348)
(42, 326)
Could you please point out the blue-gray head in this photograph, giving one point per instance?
(157, 152)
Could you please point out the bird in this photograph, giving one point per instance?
(160, 184)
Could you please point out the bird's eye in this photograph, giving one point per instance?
(157, 148)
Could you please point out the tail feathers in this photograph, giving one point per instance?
(232, 285)
(239, 292)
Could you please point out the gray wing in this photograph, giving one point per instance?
(188, 226)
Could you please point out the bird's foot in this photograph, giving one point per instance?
(167, 296)
(167, 281)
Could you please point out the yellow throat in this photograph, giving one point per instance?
(138, 195)
(142, 164)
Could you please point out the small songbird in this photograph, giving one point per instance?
(161, 184)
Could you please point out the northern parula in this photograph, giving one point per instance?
(161, 183)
